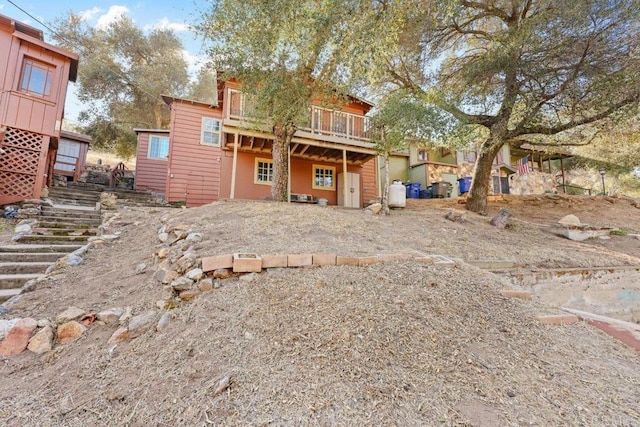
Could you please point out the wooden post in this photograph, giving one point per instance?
(345, 184)
(234, 166)
(289, 174)
(501, 218)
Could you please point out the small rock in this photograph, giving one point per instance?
(163, 253)
(195, 274)
(109, 237)
(188, 295)
(29, 286)
(73, 260)
(170, 276)
(163, 237)
(374, 208)
(42, 341)
(164, 218)
(22, 229)
(180, 235)
(194, 237)
(71, 313)
(126, 316)
(4, 310)
(17, 339)
(121, 334)
(186, 263)
(570, 221)
(81, 250)
(163, 322)
(182, 284)
(181, 227)
(140, 268)
(141, 323)
(111, 316)
(249, 277)
(456, 215)
(222, 273)
(70, 331)
(205, 285)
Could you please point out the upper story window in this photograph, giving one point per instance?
(210, 131)
(422, 155)
(158, 147)
(36, 77)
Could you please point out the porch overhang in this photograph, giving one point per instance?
(257, 142)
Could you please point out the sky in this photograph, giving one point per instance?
(147, 14)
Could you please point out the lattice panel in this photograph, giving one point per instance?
(16, 185)
(20, 161)
(22, 139)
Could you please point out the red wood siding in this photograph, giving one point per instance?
(151, 174)
(194, 169)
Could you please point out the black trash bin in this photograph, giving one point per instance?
(440, 189)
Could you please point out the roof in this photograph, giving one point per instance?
(138, 130)
(35, 36)
(75, 136)
(171, 99)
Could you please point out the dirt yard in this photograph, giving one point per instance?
(397, 343)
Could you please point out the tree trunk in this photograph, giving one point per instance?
(385, 189)
(477, 200)
(280, 152)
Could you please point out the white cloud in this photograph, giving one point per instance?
(164, 24)
(113, 14)
(89, 14)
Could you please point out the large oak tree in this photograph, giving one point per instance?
(522, 70)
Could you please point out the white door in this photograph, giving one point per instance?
(353, 190)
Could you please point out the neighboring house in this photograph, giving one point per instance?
(213, 155)
(33, 86)
(71, 156)
(152, 158)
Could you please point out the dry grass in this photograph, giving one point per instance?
(109, 159)
(390, 344)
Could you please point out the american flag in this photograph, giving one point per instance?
(523, 166)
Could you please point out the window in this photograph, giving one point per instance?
(158, 147)
(36, 77)
(324, 177)
(264, 171)
(422, 155)
(210, 131)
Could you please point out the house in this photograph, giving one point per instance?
(212, 154)
(33, 86)
(71, 156)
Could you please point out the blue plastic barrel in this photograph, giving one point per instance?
(465, 184)
(413, 190)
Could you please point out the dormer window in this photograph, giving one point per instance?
(36, 77)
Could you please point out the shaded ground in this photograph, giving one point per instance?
(389, 344)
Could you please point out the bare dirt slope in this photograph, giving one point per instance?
(389, 344)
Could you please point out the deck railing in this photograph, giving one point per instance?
(322, 121)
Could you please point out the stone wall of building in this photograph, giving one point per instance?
(532, 183)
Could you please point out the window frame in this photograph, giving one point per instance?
(151, 136)
(422, 155)
(49, 78)
(324, 168)
(256, 174)
(203, 131)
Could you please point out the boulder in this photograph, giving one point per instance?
(5, 326)
(182, 284)
(42, 341)
(111, 316)
(71, 313)
(195, 274)
(141, 323)
(374, 208)
(70, 331)
(205, 285)
(570, 221)
(17, 339)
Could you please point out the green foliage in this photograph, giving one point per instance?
(618, 232)
(122, 74)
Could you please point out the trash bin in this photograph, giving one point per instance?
(426, 193)
(440, 189)
(413, 190)
(465, 184)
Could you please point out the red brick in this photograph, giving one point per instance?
(274, 261)
(247, 263)
(324, 259)
(512, 293)
(299, 260)
(215, 262)
(343, 260)
(559, 319)
(367, 260)
(425, 260)
(392, 257)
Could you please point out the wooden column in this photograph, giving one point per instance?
(234, 167)
(289, 174)
(345, 184)
(564, 189)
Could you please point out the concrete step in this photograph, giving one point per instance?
(10, 281)
(73, 193)
(71, 220)
(52, 239)
(65, 225)
(5, 294)
(39, 248)
(24, 267)
(30, 256)
(53, 212)
(59, 231)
